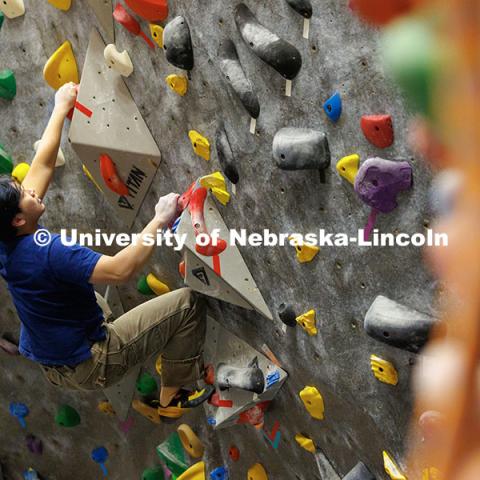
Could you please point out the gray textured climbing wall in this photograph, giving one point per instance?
(362, 415)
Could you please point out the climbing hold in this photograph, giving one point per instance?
(257, 472)
(122, 17)
(308, 322)
(392, 469)
(347, 167)
(234, 74)
(431, 473)
(8, 84)
(2, 18)
(171, 452)
(270, 48)
(383, 370)
(146, 384)
(333, 107)
(20, 172)
(254, 416)
(378, 130)
(148, 411)
(249, 378)
(305, 442)
(216, 183)
(178, 83)
(90, 177)
(359, 472)
(34, 444)
(195, 472)
(151, 10)
(200, 144)
(6, 161)
(177, 44)
(397, 325)
(379, 12)
(119, 61)
(234, 453)
(301, 149)
(305, 252)
(61, 67)
(303, 7)
(67, 416)
(30, 474)
(220, 473)
(61, 4)
(60, 156)
(156, 286)
(287, 315)
(156, 31)
(142, 286)
(110, 176)
(155, 473)
(106, 408)
(19, 411)
(191, 443)
(313, 401)
(225, 154)
(209, 376)
(100, 456)
(12, 8)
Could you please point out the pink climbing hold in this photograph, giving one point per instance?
(378, 130)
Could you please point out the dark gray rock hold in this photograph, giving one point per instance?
(177, 44)
(303, 7)
(225, 154)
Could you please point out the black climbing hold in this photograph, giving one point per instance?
(397, 325)
(287, 315)
(301, 149)
(177, 43)
(359, 472)
(233, 72)
(250, 378)
(225, 154)
(268, 46)
(303, 7)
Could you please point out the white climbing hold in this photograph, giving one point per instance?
(119, 61)
(12, 8)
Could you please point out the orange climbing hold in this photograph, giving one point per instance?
(111, 177)
(381, 12)
(378, 130)
(151, 10)
(61, 4)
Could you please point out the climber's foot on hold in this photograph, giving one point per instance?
(185, 400)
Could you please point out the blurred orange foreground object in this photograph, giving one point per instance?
(381, 12)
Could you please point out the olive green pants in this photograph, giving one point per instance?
(173, 325)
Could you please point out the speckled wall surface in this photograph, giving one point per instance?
(362, 415)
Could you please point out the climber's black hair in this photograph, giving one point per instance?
(10, 196)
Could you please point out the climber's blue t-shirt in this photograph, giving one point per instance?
(57, 307)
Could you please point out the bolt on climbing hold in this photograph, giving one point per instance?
(303, 8)
(234, 453)
(30, 474)
(151, 10)
(359, 472)
(257, 472)
(156, 31)
(61, 4)
(308, 322)
(347, 167)
(110, 176)
(2, 18)
(225, 154)
(431, 473)
(67, 416)
(61, 67)
(20, 411)
(392, 469)
(313, 401)
(383, 370)
(119, 61)
(34, 444)
(305, 442)
(147, 410)
(8, 84)
(195, 472)
(220, 473)
(200, 144)
(287, 315)
(12, 8)
(305, 252)
(6, 161)
(177, 43)
(378, 130)
(215, 182)
(146, 385)
(121, 16)
(249, 378)
(106, 408)
(60, 156)
(151, 285)
(178, 83)
(100, 456)
(154, 473)
(333, 107)
(20, 172)
(90, 177)
(379, 12)
(191, 443)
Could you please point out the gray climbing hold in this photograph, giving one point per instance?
(250, 378)
(233, 72)
(287, 315)
(397, 325)
(301, 149)
(303, 7)
(359, 472)
(177, 43)
(268, 46)
(225, 154)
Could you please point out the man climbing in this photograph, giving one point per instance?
(62, 327)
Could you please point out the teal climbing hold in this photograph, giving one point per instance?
(2, 18)
(67, 416)
(172, 454)
(333, 107)
(155, 473)
(8, 85)
(6, 161)
(146, 384)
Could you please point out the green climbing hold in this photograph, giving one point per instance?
(142, 286)
(172, 454)
(8, 84)
(67, 416)
(146, 384)
(6, 161)
(2, 18)
(155, 473)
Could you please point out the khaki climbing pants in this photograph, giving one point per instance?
(173, 325)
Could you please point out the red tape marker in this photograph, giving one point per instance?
(82, 108)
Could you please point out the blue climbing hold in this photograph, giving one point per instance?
(20, 411)
(211, 421)
(333, 107)
(100, 455)
(220, 473)
(30, 474)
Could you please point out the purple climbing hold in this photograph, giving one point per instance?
(379, 181)
(34, 444)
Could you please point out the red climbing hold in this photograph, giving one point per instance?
(121, 16)
(151, 10)
(380, 12)
(110, 176)
(182, 269)
(234, 453)
(378, 130)
(209, 374)
(255, 415)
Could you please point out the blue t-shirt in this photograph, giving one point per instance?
(57, 307)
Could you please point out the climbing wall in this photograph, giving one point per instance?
(362, 416)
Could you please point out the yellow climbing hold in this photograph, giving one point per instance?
(392, 469)
(61, 67)
(256, 472)
(200, 144)
(106, 407)
(305, 442)
(191, 443)
(158, 287)
(178, 83)
(383, 370)
(156, 31)
(347, 167)
(61, 4)
(158, 365)
(313, 401)
(431, 473)
(89, 176)
(305, 252)
(20, 172)
(308, 322)
(195, 472)
(216, 183)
